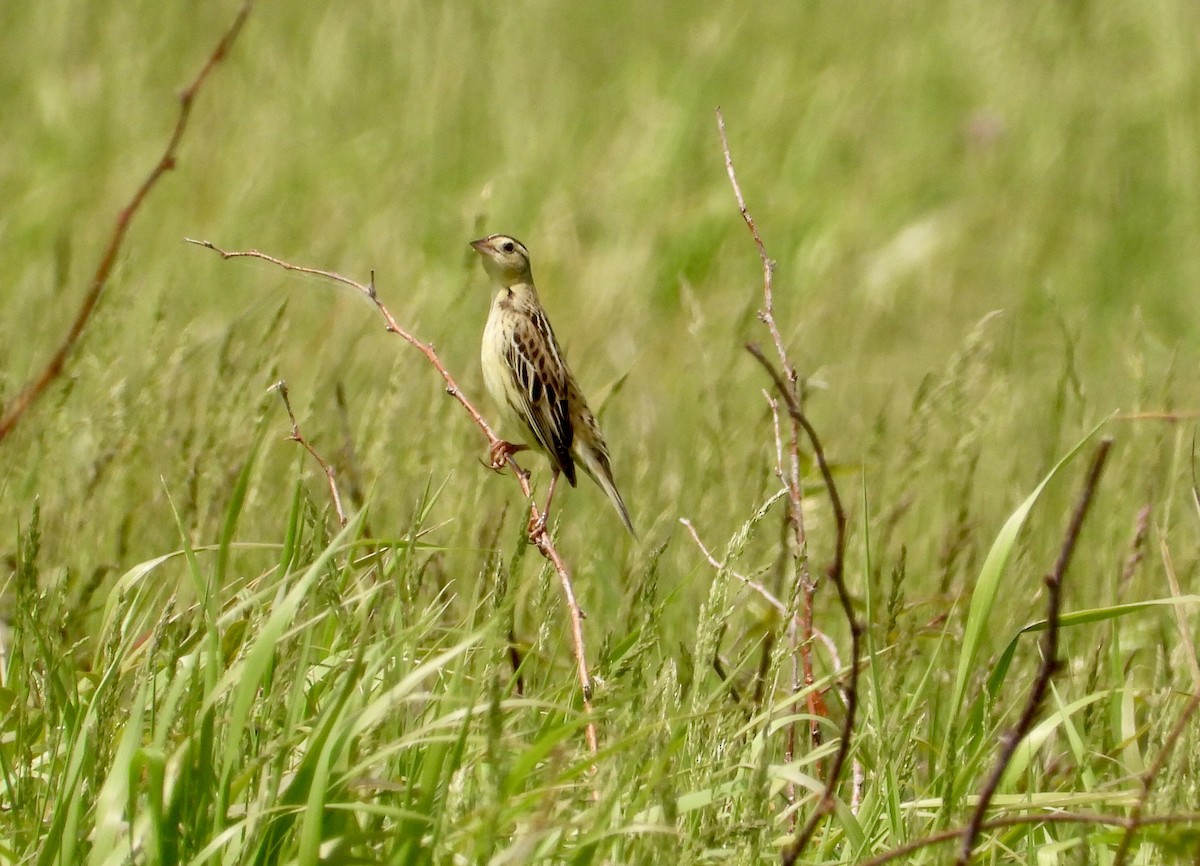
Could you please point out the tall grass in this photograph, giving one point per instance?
(984, 223)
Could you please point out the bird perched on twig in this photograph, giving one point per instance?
(525, 372)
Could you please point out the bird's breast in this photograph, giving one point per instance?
(497, 336)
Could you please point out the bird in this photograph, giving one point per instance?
(527, 375)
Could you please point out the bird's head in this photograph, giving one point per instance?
(504, 258)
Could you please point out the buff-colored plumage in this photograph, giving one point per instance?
(527, 375)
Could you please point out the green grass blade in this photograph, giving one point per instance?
(1077, 617)
(242, 680)
(110, 842)
(983, 598)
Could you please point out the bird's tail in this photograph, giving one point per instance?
(597, 467)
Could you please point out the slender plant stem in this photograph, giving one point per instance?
(11, 414)
(297, 436)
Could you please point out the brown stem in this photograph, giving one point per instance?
(297, 436)
(944, 836)
(10, 415)
(1050, 662)
(768, 312)
(836, 573)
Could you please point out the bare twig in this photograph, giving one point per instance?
(348, 455)
(1135, 819)
(297, 436)
(1088, 818)
(789, 474)
(748, 582)
(1050, 662)
(801, 659)
(768, 312)
(1158, 416)
(10, 415)
(766, 594)
(541, 534)
(836, 573)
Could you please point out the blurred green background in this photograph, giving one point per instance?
(912, 167)
(985, 218)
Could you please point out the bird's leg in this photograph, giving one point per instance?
(537, 527)
(501, 451)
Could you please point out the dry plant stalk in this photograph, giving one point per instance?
(1085, 818)
(297, 436)
(1050, 661)
(766, 594)
(12, 414)
(836, 574)
(787, 384)
(541, 538)
(789, 474)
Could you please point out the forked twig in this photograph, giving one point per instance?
(1050, 662)
(10, 415)
(541, 536)
(764, 593)
(297, 436)
(749, 582)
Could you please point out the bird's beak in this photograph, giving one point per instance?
(480, 246)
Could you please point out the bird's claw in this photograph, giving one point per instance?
(536, 526)
(500, 452)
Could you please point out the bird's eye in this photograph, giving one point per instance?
(507, 246)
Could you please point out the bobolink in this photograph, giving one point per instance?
(527, 375)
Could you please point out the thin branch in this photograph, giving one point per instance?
(748, 582)
(766, 594)
(297, 436)
(1172, 417)
(1135, 820)
(541, 534)
(768, 312)
(794, 626)
(836, 573)
(790, 476)
(10, 415)
(1019, 820)
(802, 668)
(1050, 661)
(368, 289)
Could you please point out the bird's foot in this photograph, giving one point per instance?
(501, 451)
(536, 526)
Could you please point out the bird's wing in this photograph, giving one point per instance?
(543, 388)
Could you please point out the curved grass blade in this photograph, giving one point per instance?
(1078, 617)
(983, 599)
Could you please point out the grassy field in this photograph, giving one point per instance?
(986, 224)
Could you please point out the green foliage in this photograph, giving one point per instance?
(984, 222)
